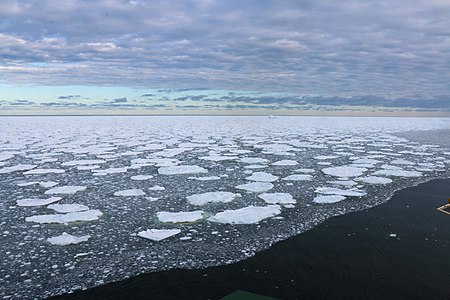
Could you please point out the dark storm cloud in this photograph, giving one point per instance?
(390, 49)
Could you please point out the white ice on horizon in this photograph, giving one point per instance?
(130, 193)
(344, 171)
(180, 170)
(277, 198)
(88, 215)
(67, 239)
(180, 217)
(246, 215)
(212, 197)
(256, 187)
(158, 234)
(66, 189)
(66, 208)
(328, 199)
(36, 201)
(262, 177)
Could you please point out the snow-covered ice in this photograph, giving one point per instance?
(37, 201)
(141, 177)
(344, 171)
(246, 215)
(158, 234)
(374, 180)
(298, 177)
(256, 187)
(130, 193)
(184, 169)
(88, 215)
(180, 217)
(67, 239)
(66, 208)
(262, 177)
(328, 198)
(67, 189)
(277, 198)
(212, 197)
(337, 191)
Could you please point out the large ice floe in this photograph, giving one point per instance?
(96, 203)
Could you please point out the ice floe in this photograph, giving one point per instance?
(277, 198)
(17, 168)
(374, 180)
(212, 197)
(178, 170)
(67, 239)
(158, 234)
(180, 217)
(397, 173)
(66, 189)
(66, 208)
(246, 215)
(84, 162)
(262, 177)
(205, 178)
(337, 191)
(298, 177)
(88, 215)
(37, 201)
(285, 162)
(130, 193)
(344, 171)
(328, 199)
(44, 171)
(141, 177)
(256, 187)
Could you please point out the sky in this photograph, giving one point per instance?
(225, 57)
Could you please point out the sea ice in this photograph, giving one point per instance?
(397, 173)
(344, 171)
(88, 215)
(66, 208)
(253, 160)
(184, 169)
(285, 162)
(374, 180)
(212, 197)
(180, 217)
(37, 202)
(130, 193)
(158, 234)
(67, 239)
(298, 177)
(328, 199)
(336, 191)
(17, 168)
(262, 177)
(255, 187)
(67, 189)
(84, 162)
(277, 198)
(205, 178)
(141, 177)
(44, 171)
(246, 215)
(156, 188)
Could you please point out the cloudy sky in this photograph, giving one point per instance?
(206, 56)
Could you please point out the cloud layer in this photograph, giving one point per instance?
(333, 50)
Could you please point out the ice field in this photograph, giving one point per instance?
(89, 200)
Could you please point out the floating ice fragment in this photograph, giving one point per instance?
(66, 208)
(262, 177)
(298, 177)
(67, 239)
(141, 177)
(5, 156)
(305, 171)
(157, 188)
(324, 157)
(185, 169)
(246, 215)
(88, 215)
(329, 199)
(285, 162)
(397, 173)
(253, 160)
(130, 193)
(17, 168)
(180, 217)
(158, 234)
(205, 178)
(255, 167)
(374, 180)
(211, 197)
(336, 191)
(344, 171)
(37, 202)
(277, 198)
(67, 189)
(44, 171)
(256, 187)
(84, 162)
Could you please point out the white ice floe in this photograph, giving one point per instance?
(184, 169)
(79, 216)
(255, 167)
(344, 171)
(87, 168)
(16, 168)
(156, 188)
(130, 193)
(66, 208)
(44, 171)
(246, 215)
(67, 239)
(180, 217)
(277, 198)
(402, 161)
(84, 162)
(262, 177)
(328, 199)
(102, 172)
(397, 173)
(256, 187)
(141, 177)
(337, 191)
(66, 189)
(158, 234)
(285, 162)
(212, 197)
(308, 171)
(6, 156)
(205, 178)
(218, 157)
(298, 177)
(374, 180)
(37, 202)
(324, 157)
(45, 184)
(342, 182)
(253, 160)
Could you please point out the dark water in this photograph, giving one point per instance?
(346, 257)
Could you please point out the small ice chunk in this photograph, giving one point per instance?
(157, 188)
(88, 215)
(298, 177)
(130, 193)
(344, 171)
(329, 199)
(256, 187)
(285, 162)
(324, 157)
(6, 156)
(374, 180)
(87, 168)
(141, 177)
(84, 162)
(211, 197)
(17, 168)
(67, 239)
(66, 189)
(246, 215)
(342, 182)
(37, 202)
(262, 177)
(205, 178)
(393, 235)
(253, 160)
(336, 191)
(66, 208)
(308, 171)
(180, 217)
(184, 169)
(44, 171)
(255, 167)
(397, 173)
(48, 184)
(158, 234)
(277, 198)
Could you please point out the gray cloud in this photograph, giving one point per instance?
(69, 97)
(120, 100)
